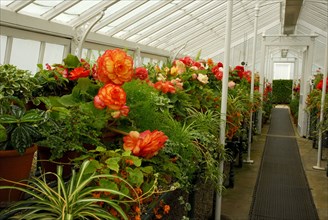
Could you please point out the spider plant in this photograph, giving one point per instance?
(74, 199)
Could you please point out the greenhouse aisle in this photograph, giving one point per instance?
(282, 191)
(238, 201)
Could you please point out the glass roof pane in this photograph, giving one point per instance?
(76, 10)
(5, 2)
(38, 8)
(105, 29)
(82, 6)
(167, 20)
(149, 17)
(134, 12)
(63, 18)
(116, 7)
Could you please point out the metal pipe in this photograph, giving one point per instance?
(224, 99)
(257, 9)
(323, 96)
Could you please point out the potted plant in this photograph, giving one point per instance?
(76, 198)
(69, 132)
(18, 126)
(19, 133)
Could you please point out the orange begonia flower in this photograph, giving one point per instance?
(166, 209)
(145, 144)
(165, 87)
(115, 66)
(112, 96)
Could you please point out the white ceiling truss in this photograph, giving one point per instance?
(162, 26)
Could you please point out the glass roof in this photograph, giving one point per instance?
(170, 24)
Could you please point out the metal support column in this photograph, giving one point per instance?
(257, 9)
(224, 99)
(323, 96)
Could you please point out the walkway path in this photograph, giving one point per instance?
(236, 202)
(282, 190)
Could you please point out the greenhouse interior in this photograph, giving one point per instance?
(164, 109)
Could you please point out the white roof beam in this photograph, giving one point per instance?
(262, 30)
(158, 18)
(18, 5)
(137, 17)
(194, 36)
(159, 27)
(59, 9)
(201, 46)
(92, 12)
(186, 29)
(213, 27)
(112, 17)
(312, 27)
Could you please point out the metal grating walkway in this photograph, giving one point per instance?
(282, 191)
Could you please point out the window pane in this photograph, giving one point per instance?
(53, 54)
(25, 54)
(146, 60)
(94, 56)
(84, 54)
(3, 44)
(5, 2)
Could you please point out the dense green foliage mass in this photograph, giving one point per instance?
(282, 91)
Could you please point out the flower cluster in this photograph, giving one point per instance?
(113, 68)
(320, 85)
(145, 144)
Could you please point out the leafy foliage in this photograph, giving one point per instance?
(16, 82)
(282, 91)
(22, 128)
(70, 200)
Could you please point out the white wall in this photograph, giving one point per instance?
(283, 70)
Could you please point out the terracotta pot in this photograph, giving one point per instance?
(15, 167)
(51, 166)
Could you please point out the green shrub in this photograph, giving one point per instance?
(293, 105)
(282, 91)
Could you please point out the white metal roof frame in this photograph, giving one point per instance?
(161, 26)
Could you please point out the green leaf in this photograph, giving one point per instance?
(113, 163)
(136, 161)
(20, 139)
(92, 167)
(126, 153)
(147, 169)
(135, 176)
(108, 184)
(45, 100)
(83, 84)
(68, 100)
(32, 116)
(71, 61)
(101, 149)
(125, 190)
(8, 119)
(3, 133)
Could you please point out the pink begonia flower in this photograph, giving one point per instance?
(231, 84)
(202, 78)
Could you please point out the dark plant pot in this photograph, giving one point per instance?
(202, 200)
(14, 167)
(177, 210)
(48, 165)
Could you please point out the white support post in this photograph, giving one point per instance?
(81, 32)
(137, 55)
(323, 96)
(262, 83)
(224, 99)
(306, 84)
(257, 9)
